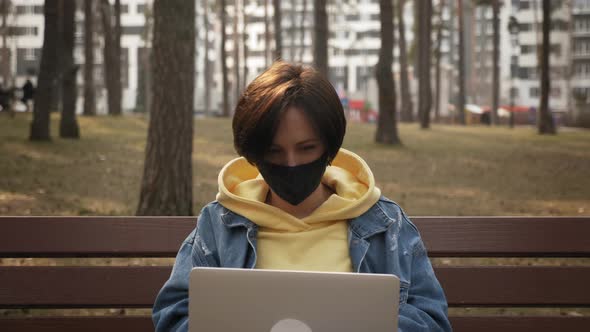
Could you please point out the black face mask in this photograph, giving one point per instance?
(294, 183)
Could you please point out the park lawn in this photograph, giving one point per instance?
(447, 170)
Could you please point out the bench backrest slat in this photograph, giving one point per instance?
(144, 324)
(77, 324)
(162, 236)
(510, 286)
(137, 286)
(505, 236)
(93, 236)
(81, 286)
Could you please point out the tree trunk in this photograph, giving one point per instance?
(441, 7)
(320, 40)
(386, 124)
(236, 46)
(276, 4)
(68, 127)
(460, 107)
(545, 123)
(424, 54)
(302, 32)
(112, 65)
(89, 87)
(496, 63)
(245, 46)
(407, 111)
(47, 73)
(206, 65)
(266, 35)
(147, 58)
(224, 73)
(292, 30)
(117, 83)
(166, 187)
(6, 56)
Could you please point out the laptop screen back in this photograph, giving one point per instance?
(222, 299)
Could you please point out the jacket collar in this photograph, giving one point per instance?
(375, 220)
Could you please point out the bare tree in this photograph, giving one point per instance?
(266, 34)
(166, 187)
(207, 64)
(89, 85)
(47, 73)
(386, 124)
(144, 91)
(302, 31)
(424, 65)
(224, 73)
(236, 49)
(438, 56)
(495, 5)
(460, 107)
(68, 127)
(545, 120)
(111, 55)
(245, 44)
(496, 62)
(320, 40)
(276, 4)
(5, 8)
(407, 111)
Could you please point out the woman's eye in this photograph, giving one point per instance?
(309, 147)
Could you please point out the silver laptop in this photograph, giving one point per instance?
(222, 299)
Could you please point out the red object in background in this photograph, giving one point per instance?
(357, 104)
(515, 109)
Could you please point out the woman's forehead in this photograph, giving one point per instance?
(294, 126)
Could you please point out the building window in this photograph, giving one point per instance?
(27, 60)
(29, 10)
(534, 92)
(524, 5)
(527, 49)
(30, 54)
(556, 49)
(132, 30)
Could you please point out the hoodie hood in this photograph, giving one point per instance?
(243, 191)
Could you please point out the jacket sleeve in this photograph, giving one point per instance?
(426, 306)
(170, 311)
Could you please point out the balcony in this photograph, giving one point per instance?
(581, 33)
(581, 10)
(581, 55)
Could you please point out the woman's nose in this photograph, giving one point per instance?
(291, 159)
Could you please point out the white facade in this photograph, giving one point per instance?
(581, 50)
(353, 49)
(28, 16)
(527, 86)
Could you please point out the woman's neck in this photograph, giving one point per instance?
(305, 208)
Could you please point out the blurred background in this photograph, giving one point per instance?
(451, 128)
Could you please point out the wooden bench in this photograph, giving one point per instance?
(56, 287)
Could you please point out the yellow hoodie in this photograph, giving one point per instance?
(318, 242)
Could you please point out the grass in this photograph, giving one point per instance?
(446, 170)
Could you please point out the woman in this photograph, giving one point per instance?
(295, 200)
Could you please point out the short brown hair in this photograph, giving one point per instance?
(281, 86)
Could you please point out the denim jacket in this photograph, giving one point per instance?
(382, 240)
